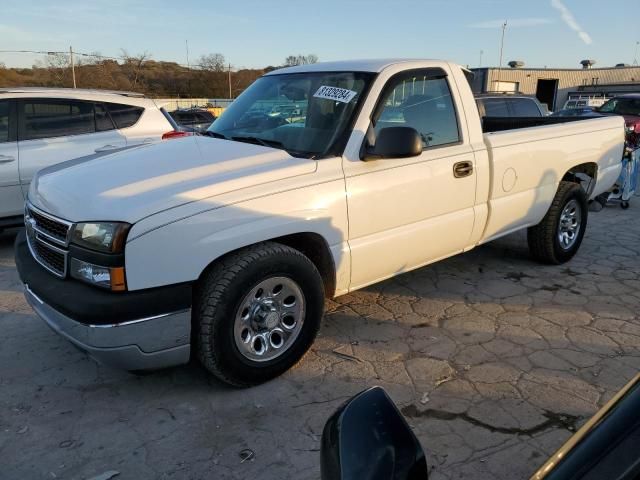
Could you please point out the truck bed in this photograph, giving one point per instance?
(527, 165)
(499, 124)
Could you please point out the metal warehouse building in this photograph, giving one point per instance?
(555, 86)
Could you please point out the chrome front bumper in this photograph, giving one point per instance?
(143, 344)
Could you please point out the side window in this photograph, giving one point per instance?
(4, 121)
(56, 118)
(418, 101)
(523, 107)
(495, 107)
(103, 121)
(124, 115)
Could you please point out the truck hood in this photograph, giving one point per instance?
(135, 183)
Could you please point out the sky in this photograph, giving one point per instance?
(257, 33)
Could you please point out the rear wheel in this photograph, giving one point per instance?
(557, 238)
(257, 312)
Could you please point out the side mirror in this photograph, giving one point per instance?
(395, 142)
(368, 439)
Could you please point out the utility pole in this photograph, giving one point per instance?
(73, 69)
(480, 61)
(186, 43)
(230, 94)
(504, 27)
(635, 55)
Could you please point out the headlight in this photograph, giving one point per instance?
(104, 236)
(105, 277)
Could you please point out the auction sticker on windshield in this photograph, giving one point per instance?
(334, 93)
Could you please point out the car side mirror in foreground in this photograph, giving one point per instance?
(395, 142)
(368, 439)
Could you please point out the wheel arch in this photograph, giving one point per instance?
(311, 244)
(583, 174)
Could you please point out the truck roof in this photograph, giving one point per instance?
(369, 65)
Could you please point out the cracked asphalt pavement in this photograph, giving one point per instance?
(494, 360)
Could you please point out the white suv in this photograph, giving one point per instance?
(40, 127)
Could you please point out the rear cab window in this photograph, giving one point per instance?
(495, 107)
(524, 107)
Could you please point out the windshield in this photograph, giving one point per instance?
(622, 106)
(306, 114)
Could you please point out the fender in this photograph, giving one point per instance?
(181, 250)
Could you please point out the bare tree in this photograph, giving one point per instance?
(133, 65)
(56, 65)
(299, 59)
(212, 62)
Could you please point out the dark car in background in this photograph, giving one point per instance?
(629, 107)
(196, 119)
(509, 105)
(576, 112)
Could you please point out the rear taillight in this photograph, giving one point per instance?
(176, 134)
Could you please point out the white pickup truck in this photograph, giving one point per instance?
(224, 246)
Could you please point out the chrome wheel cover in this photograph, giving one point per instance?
(570, 224)
(269, 319)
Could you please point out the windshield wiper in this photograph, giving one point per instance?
(268, 143)
(260, 141)
(209, 133)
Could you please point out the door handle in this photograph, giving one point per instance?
(105, 148)
(7, 158)
(462, 169)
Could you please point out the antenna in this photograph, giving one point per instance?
(504, 27)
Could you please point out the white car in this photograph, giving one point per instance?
(40, 127)
(225, 245)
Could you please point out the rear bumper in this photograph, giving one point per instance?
(143, 344)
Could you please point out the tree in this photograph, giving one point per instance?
(133, 65)
(213, 62)
(293, 60)
(57, 67)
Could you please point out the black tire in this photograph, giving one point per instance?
(544, 244)
(624, 205)
(218, 298)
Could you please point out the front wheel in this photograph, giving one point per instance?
(557, 238)
(257, 312)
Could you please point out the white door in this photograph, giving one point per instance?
(407, 212)
(55, 130)
(11, 199)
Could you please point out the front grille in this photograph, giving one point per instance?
(50, 258)
(51, 227)
(47, 236)
(56, 229)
